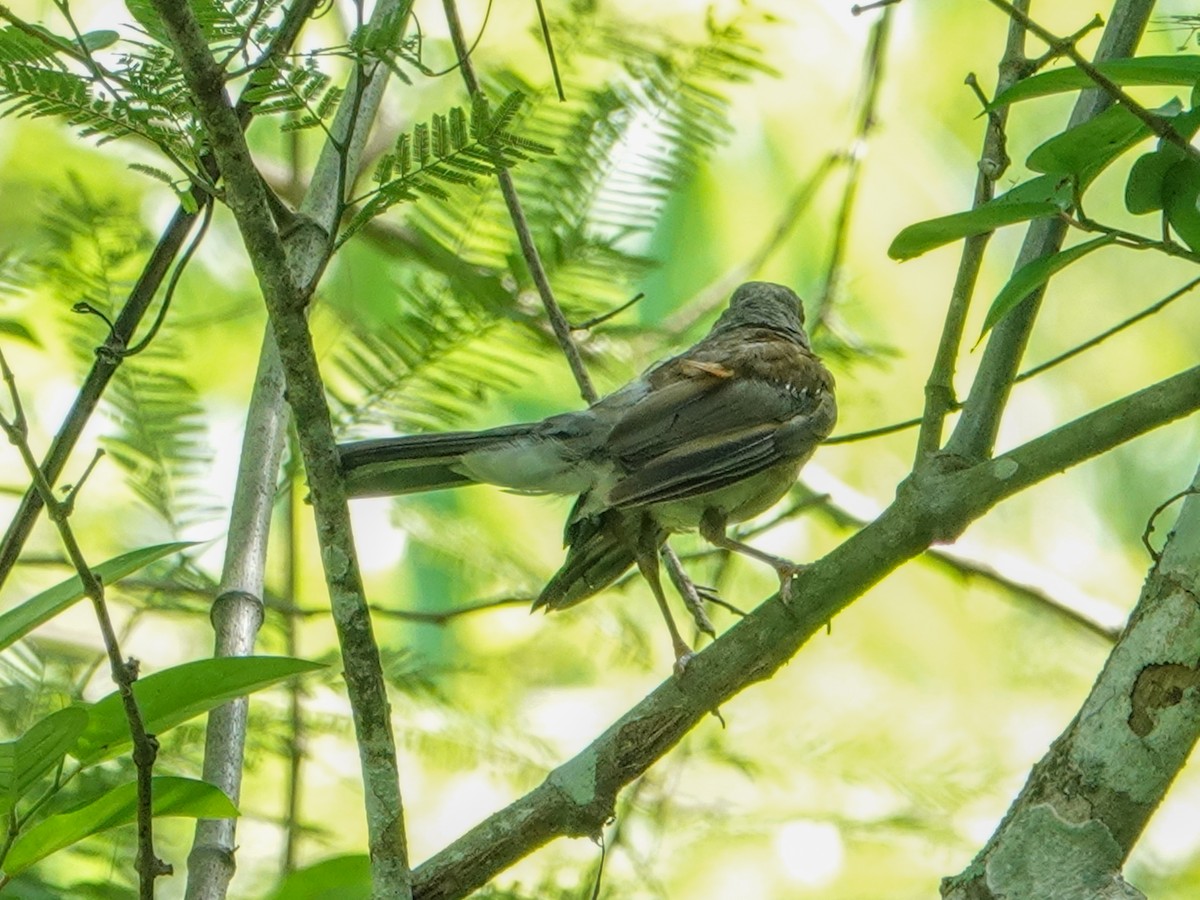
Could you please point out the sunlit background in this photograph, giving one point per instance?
(882, 757)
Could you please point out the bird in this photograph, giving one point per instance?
(712, 436)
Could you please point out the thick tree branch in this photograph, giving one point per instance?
(935, 504)
(1090, 797)
(285, 300)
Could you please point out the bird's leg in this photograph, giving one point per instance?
(645, 550)
(693, 595)
(712, 529)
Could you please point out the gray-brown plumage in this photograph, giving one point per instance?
(712, 436)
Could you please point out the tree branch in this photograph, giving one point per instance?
(1090, 797)
(940, 396)
(975, 434)
(285, 299)
(935, 504)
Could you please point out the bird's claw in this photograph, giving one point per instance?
(788, 573)
(682, 660)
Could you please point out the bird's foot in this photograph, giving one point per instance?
(682, 660)
(788, 573)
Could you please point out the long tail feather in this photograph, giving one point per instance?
(417, 462)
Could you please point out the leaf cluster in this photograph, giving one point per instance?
(1165, 180)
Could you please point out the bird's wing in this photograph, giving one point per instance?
(709, 424)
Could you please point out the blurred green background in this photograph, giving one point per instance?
(882, 757)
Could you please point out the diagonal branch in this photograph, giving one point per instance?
(935, 504)
(533, 259)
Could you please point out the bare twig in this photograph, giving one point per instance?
(533, 259)
(872, 79)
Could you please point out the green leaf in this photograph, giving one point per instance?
(1160, 70)
(1032, 276)
(179, 693)
(340, 878)
(20, 620)
(16, 46)
(15, 329)
(1181, 193)
(1085, 150)
(188, 201)
(98, 40)
(1144, 187)
(172, 796)
(924, 236)
(36, 752)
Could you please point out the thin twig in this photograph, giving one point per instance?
(940, 397)
(124, 673)
(533, 259)
(1060, 46)
(1109, 332)
(872, 79)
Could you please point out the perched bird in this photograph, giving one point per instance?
(714, 435)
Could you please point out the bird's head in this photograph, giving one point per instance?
(762, 304)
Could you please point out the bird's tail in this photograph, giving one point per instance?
(418, 462)
(601, 551)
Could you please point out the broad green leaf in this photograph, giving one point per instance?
(20, 620)
(172, 796)
(36, 752)
(175, 695)
(1181, 193)
(1085, 150)
(1161, 70)
(1144, 188)
(98, 40)
(1032, 276)
(924, 236)
(339, 878)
